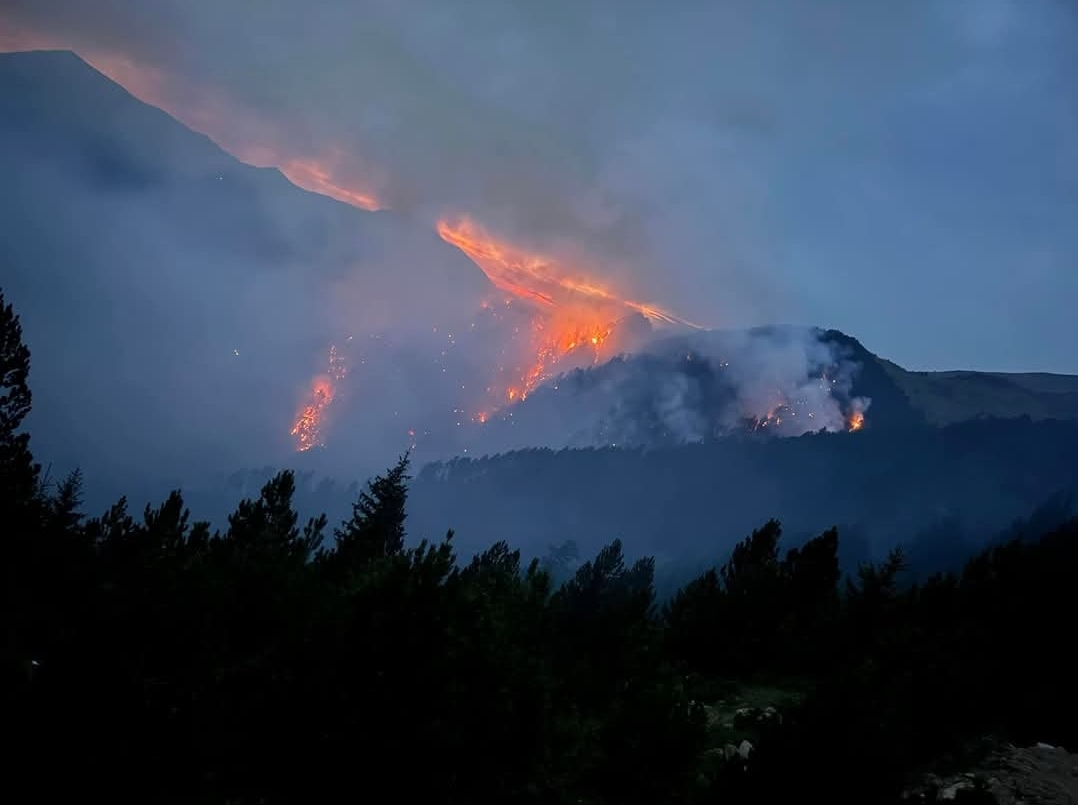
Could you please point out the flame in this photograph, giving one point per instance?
(574, 316)
(773, 417)
(535, 277)
(552, 340)
(574, 319)
(309, 424)
(556, 338)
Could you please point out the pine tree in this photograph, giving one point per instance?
(18, 473)
(376, 528)
(21, 508)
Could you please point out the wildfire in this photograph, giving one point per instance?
(308, 427)
(554, 339)
(536, 277)
(856, 421)
(574, 316)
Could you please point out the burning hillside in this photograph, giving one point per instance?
(575, 320)
(550, 321)
(549, 316)
(308, 430)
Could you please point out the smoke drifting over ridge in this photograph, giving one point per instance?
(740, 162)
(368, 340)
(690, 388)
(675, 193)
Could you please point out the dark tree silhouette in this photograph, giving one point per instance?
(149, 659)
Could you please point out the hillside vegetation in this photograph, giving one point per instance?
(949, 397)
(148, 658)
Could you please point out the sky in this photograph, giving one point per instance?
(906, 172)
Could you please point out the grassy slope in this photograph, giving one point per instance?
(949, 397)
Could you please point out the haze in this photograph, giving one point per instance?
(904, 172)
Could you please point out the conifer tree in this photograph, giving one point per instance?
(376, 528)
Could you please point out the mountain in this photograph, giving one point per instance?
(941, 492)
(948, 397)
(178, 304)
(178, 301)
(768, 381)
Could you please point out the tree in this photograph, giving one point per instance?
(753, 607)
(268, 526)
(376, 528)
(18, 473)
(21, 510)
(15, 397)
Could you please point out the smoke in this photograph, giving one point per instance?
(800, 382)
(741, 162)
(782, 382)
(178, 303)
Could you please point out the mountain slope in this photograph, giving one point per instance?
(178, 301)
(948, 397)
(781, 381)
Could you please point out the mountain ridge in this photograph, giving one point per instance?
(138, 243)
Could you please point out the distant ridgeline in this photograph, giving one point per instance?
(688, 504)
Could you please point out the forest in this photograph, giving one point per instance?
(147, 656)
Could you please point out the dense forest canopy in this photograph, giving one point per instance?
(149, 656)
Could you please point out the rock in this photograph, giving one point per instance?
(951, 791)
(744, 749)
(1039, 775)
(729, 751)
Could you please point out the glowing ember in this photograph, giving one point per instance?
(309, 424)
(856, 421)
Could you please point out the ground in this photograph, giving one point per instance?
(1036, 775)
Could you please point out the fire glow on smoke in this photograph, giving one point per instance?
(573, 317)
(573, 322)
(572, 314)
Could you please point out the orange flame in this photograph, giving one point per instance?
(535, 277)
(307, 429)
(576, 317)
(555, 339)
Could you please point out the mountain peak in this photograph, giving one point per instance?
(57, 71)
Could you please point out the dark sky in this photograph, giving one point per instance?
(904, 171)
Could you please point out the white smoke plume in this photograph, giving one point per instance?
(775, 381)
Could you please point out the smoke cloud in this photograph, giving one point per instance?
(690, 388)
(739, 162)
